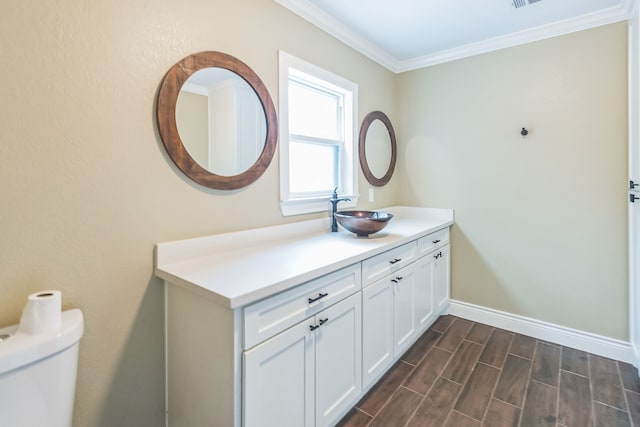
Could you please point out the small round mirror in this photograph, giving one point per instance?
(377, 148)
(217, 120)
(220, 121)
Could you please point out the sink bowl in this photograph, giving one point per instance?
(363, 223)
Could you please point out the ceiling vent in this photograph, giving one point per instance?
(522, 3)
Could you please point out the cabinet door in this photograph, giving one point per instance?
(279, 380)
(404, 313)
(442, 279)
(377, 330)
(338, 342)
(425, 276)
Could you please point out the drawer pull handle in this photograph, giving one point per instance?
(436, 241)
(318, 298)
(313, 327)
(438, 255)
(399, 278)
(393, 261)
(323, 321)
(394, 280)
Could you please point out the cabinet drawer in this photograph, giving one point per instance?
(433, 241)
(268, 317)
(377, 267)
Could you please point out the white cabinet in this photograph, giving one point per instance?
(388, 321)
(399, 307)
(380, 266)
(266, 318)
(278, 380)
(424, 299)
(432, 286)
(441, 277)
(309, 374)
(338, 360)
(434, 248)
(284, 327)
(403, 283)
(377, 331)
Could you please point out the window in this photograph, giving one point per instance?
(318, 149)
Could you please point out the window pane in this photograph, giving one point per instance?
(313, 168)
(313, 112)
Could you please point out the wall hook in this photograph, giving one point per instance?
(524, 132)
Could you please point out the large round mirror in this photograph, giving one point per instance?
(377, 148)
(217, 120)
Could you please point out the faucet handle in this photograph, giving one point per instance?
(335, 193)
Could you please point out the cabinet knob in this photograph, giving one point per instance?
(393, 261)
(318, 298)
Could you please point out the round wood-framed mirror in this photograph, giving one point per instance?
(235, 73)
(377, 148)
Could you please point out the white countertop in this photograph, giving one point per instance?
(237, 269)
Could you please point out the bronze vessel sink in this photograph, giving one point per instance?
(363, 223)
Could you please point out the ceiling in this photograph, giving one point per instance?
(408, 34)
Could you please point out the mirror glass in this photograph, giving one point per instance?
(216, 120)
(377, 148)
(220, 121)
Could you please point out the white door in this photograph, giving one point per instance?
(377, 330)
(338, 343)
(425, 274)
(634, 278)
(404, 311)
(441, 280)
(634, 184)
(279, 380)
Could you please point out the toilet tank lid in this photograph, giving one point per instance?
(21, 349)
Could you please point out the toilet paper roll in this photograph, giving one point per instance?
(42, 313)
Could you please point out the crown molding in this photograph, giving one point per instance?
(329, 24)
(324, 21)
(583, 22)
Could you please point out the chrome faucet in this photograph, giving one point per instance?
(334, 207)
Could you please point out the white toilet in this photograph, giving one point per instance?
(38, 374)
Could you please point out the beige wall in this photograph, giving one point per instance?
(540, 222)
(85, 185)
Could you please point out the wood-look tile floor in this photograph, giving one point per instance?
(460, 373)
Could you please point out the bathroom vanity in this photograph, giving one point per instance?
(290, 325)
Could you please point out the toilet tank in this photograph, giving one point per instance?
(38, 374)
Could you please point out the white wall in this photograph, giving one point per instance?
(540, 222)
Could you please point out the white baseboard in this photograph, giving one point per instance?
(585, 341)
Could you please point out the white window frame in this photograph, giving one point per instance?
(348, 187)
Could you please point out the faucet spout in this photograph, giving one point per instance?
(334, 208)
